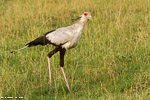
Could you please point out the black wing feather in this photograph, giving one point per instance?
(42, 40)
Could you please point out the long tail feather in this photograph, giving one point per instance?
(19, 49)
(42, 40)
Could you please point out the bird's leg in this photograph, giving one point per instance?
(49, 66)
(65, 78)
(49, 56)
(62, 53)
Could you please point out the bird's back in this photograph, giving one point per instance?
(67, 37)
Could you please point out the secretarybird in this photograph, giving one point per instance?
(62, 38)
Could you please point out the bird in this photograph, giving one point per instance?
(63, 39)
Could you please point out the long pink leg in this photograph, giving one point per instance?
(62, 69)
(48, 58)
(50, 79)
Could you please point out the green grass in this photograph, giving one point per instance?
(111, 61)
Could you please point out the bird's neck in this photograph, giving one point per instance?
(79, 25)
(82, 21)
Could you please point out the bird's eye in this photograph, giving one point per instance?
(85, 14)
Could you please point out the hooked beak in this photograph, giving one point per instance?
(90, 17)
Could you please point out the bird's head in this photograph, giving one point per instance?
(85, 16)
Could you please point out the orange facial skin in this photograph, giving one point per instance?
(86, 14)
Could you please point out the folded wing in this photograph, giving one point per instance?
(60, 36)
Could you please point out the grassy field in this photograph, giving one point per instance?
(111, 61)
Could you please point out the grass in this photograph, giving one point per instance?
(111, 61)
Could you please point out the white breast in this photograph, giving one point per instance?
(73, 43)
